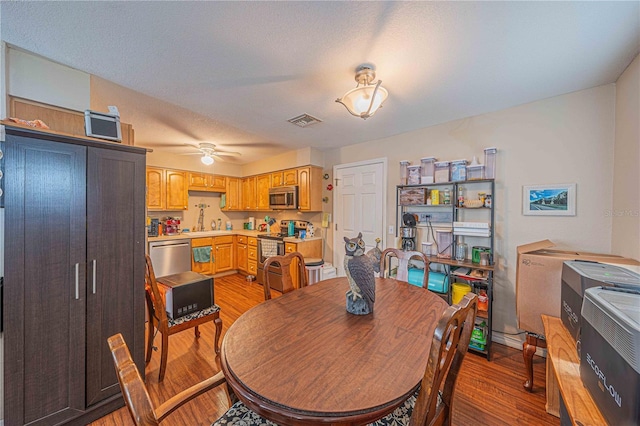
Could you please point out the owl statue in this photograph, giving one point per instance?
(360, 273)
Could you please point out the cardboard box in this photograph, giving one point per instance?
(413, 196)
(539, 278)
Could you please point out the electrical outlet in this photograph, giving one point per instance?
(391, 230)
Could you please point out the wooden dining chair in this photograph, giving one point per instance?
(167, 326)
(403, 263)
(433, 403)
(141, 408)
(284, 263)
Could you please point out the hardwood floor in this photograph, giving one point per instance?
(487, 393)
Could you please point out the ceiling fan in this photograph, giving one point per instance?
(208, 151)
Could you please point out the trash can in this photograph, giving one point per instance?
(313, 266)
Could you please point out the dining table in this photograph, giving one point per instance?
(302, 359)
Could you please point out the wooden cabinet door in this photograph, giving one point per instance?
(277, 179)
(224, 253)
(233, 197)
(44, 303)
(115, 264)
(217, 183)
(156, 189)
(262, 189)
(176, 184)
(202, 267)
(198, 181)
(290, 177)
(310, 188)
(249, 201)
(242, 255)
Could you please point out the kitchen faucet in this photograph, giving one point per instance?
(200, 226)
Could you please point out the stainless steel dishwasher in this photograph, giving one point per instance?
(170, 257)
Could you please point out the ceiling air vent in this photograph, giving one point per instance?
(304, 120)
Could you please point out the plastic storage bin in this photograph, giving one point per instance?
(404, 173)
(438, 281)
(428, 169)
(490, 163)
(444, 240)
(442, 171)
(475, 172)
(414, 175)
(458, 170)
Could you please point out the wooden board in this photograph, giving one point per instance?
(563, 360)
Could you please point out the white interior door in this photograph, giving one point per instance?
(359, 195)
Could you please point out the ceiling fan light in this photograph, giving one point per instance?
(206, 159)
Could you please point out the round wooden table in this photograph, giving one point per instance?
(303, 359)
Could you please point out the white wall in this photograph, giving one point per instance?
(39, 79)
(564, 139)
(625, 211)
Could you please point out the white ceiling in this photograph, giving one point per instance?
(232, 73)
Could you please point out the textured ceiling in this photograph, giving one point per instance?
(232, 73)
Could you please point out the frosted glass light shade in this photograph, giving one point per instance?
(362, 102)
(207, 160)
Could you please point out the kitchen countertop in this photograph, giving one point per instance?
(245, 232)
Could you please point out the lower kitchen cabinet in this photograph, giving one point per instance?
(252, 256)
(74, 261)
(202, 267)
(242, 253)
(308, 249)
(224, 253)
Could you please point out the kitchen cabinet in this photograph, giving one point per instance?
(252, 256)
(309, 188)
(242, 253)
(202, 267)
(308, 249)
(233, 196)
(479, 231)
(207, 182)
(249, 201)
(290, 177)
(166, 189)
(77, 212)
(224, 253)
(177, 195)
(263, 183)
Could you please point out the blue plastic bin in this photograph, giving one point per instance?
(438, 281)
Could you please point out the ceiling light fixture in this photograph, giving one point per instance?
(367, 97)
(207, 160)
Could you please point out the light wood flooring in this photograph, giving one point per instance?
(487, 393)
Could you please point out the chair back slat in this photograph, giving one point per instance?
(448, 347)
(284, 263)
(133, 388)
(404, 257)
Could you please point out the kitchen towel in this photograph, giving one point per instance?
(202, 254)
(269, 248)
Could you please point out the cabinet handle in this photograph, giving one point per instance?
(95, 264)
(77, 281)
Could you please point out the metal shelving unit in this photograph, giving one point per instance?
(452, 213)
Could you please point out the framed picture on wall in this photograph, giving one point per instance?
(549, 200)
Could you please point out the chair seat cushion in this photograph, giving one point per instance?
(194, 315)
(240, 415)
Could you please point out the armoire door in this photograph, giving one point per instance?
(115, 263)
(44, 283)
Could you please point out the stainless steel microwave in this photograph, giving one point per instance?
(283, 198)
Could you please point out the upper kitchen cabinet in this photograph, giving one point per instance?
(249, 200)
(233, 200)
(262, 192)
(166, 189)
(284, 177)
(71, 279)
(309, 188)
(207, 182)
